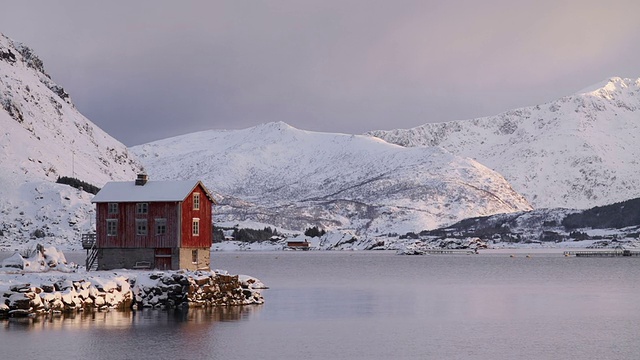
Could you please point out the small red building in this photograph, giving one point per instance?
(153, 224)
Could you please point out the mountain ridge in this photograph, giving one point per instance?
(578, 151)
(44, 137)
(611, 225)
(349, 182)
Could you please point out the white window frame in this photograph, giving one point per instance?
(196, 201)
(195, 227)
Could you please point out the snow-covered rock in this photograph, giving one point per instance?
(578, 152)
(41, 259)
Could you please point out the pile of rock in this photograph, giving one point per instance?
(194, 289)
(65, 296)
(131, 290)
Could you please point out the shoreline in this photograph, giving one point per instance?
(28, 293)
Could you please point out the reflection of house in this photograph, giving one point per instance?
(153, 224)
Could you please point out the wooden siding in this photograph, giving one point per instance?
(126, 216)
(204, 214)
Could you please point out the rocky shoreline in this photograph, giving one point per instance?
(42, 282)
(59, 293)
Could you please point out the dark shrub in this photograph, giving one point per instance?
(78, 184)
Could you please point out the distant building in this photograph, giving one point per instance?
(298, 244)
(153, 224)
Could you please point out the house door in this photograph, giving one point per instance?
(163, 259)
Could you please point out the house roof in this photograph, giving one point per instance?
(152, 191)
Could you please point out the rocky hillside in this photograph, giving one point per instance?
(279, 175)
(577, 152)
(608, 225)
(43, 137)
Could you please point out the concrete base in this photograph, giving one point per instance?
(119, 258)
(139, 258)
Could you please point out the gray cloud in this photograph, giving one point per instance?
(146, 70)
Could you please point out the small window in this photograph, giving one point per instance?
(113, 208)
(195, 227)
(196, 201)
(161, 226)
(142, 208)
(141, 226)
(194, 256)
(112, 227)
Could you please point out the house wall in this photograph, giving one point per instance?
(204, 214)
(203, 262)
(126, 216)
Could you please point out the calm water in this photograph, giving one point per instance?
(370, 305)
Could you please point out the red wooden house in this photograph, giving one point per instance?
(153, 224)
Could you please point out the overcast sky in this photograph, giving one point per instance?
(147, 70)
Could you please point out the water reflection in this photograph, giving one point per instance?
(127, 319)
(373, 306)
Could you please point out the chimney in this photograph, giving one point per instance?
(141, 180)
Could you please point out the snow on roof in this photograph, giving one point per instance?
(152, 191)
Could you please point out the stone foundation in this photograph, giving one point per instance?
(124, 258)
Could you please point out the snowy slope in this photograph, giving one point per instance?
(42, 137)
(580, 151)
(276, 174)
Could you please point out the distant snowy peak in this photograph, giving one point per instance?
(295, 178)
(265, 134)
(579, 151)
(277, 152)
(615, 86)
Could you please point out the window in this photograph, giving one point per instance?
(194, 256)
(113, 208)
(161, 226)
(196, 201)
(141, 226)
(112, 227)
(195, 227)
(142, 208)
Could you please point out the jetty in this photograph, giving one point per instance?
(449, 252)
(602, 253)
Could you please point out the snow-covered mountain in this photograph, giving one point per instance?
(579, 151)
(43, 137)
(276, 174)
